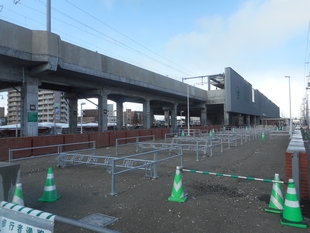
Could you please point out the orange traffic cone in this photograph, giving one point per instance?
(18, 197)
(291, 215)
(177, 194)
(50, 193)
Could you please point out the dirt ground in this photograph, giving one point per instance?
(214, 204)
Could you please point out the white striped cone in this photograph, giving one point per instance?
(50, 193)
(177, 194)
(18, 197)
(292, 215)
(276, 202)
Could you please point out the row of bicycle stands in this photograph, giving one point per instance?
(149, 152)
(197, 141)
(206, 141)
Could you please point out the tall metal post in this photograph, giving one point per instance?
(54, 120)
(188, 121)
(307, 118)
(48, 15)
(16, 129)
(82, 117)
(289, 85)
(181, 119)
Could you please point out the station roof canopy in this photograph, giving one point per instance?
(217, 80)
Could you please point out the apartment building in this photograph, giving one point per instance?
(51, 105)
(91, 115)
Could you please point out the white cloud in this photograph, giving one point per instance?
(250, 41)
(108, 4)
(255, 26)
(265, 23)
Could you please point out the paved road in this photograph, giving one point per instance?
(214, 204)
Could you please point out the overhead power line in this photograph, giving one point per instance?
(126, 36)
(110, 39)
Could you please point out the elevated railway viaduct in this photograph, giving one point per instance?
(32, 60)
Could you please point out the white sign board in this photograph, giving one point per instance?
(19, 219)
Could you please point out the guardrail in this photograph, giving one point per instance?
(96, 160)
(132, 140)
(275, 133)
(59, 148)
(125, 163)
(179, 153)
(37, 221)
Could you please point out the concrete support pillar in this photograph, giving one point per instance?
(73, 102)
(209, 83)
(248, 120)
(186, 118)
(258, 120)
(174, 122)
(102, 111)
(254, 121)
(226, 116)
(29, 107)
(203, 117)
(146, 114)
(167, 122)
(152, 118)
(119, 114)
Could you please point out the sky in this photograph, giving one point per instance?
(262, 40)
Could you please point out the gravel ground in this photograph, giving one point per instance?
(214, 204)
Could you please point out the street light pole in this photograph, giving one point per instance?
(188, 128)
(181, 119)
(16, 129)
(82, 117)
(3, 111)
(289, 85)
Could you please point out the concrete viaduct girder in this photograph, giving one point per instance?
(39, 59)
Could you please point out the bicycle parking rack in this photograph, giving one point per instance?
(121, 142)
(178, 152)
(93, 160)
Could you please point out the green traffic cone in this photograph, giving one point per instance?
(18, 197)
(263, 136)
(291, 215)
(177, 194)
(50, 193)
(276, 199)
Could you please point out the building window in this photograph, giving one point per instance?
(253, 95)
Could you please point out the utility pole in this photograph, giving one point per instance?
(48, 15)
(289, 86)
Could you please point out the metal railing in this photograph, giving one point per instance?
(31, 217)
(59, 148)
(133, 140)
(177, 148)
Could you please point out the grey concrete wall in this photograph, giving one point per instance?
(215, 97)
(43, 45)
(47, 54)
(239, 97)
(9, 176)
(22, 37)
